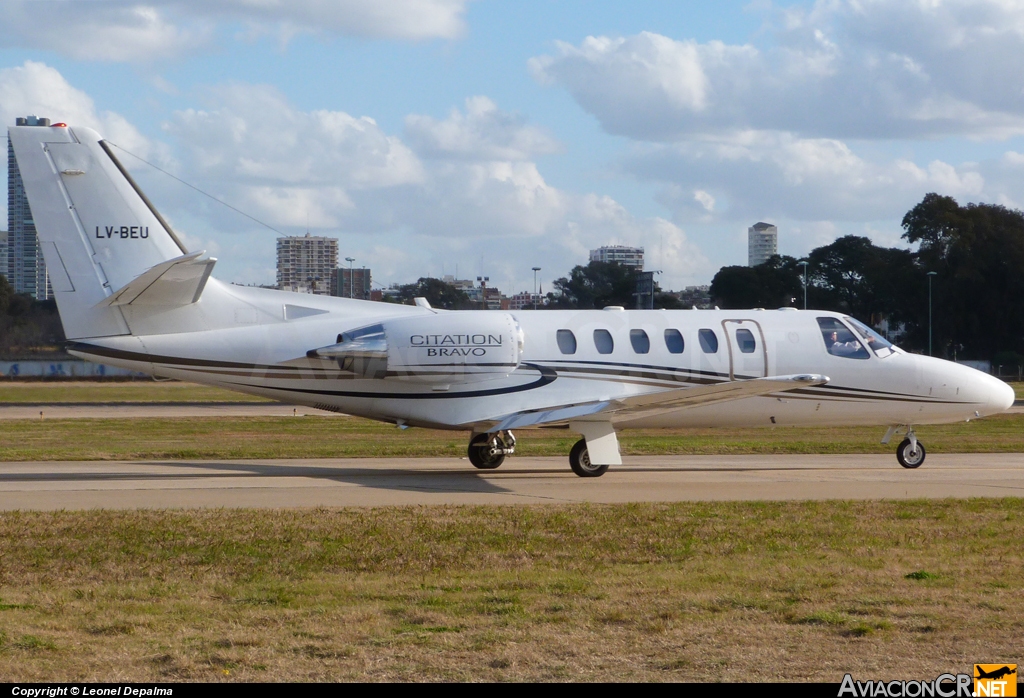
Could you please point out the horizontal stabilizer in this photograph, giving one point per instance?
(649, 404)
(178, 281)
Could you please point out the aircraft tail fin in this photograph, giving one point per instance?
(103, 241)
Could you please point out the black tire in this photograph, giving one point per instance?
(480, 453)
(579, 461)
(907, 456)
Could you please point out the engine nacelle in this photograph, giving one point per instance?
(451, 347)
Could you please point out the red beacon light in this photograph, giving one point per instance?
(59, 124)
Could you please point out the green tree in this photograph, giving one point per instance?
(597, 285)
(776, 283)
(977, 253)
(854, 276)
(438, 293)
(26, 324)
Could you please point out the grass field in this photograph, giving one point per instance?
(69, 392)
(708, 592)
(350, 437)
(725, 591)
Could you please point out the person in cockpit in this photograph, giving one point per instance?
(842, 348)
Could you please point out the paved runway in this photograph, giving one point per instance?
(379, 482)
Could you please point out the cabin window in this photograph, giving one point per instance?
(708, 341)
(674, 341)
(746, 342)
(640, 341)
(603, 341)
(840, 341)
(566, 341)
(876, 342)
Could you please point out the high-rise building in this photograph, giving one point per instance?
(307, 264)
(353, 283)
(3, 253)
(620, 254)
(25, 268)
(762, 243)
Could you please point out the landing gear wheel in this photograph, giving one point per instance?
(579, 461)
(480, 453)
(907, 456)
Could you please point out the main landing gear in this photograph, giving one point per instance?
(579, 461)
(488, 451)
(911, 452)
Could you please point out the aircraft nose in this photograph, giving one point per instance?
(994, 395)
(1000, 396)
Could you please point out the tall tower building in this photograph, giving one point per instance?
(24, 268)
(307, 264)
(762, 243)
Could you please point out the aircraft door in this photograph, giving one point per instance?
(748, 353)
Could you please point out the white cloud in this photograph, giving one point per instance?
(483, 132)
(253, 137)
(843, 69)
(705, 200)
(475, 194)
(37, 89)
(104, 30)
(133, 31)
(754, 174)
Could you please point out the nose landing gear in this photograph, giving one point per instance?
(488, 451)
(911, 452)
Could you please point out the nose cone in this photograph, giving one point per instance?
(993, 395)
(1000, 396)
(983, 393)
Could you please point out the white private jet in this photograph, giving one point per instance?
(130, 294)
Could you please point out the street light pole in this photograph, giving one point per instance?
(804, 264)
(930, 275)
(535, 270)
(351, 280)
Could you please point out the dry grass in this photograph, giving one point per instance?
(715, 591)
(350, 437)
(71, 392)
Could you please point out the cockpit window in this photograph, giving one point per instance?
(876, 342)
(840, 341)
(566, 341)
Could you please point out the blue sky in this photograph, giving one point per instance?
(426, 134)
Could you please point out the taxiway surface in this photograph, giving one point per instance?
(381, 482)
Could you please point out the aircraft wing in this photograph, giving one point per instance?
(624, 409)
